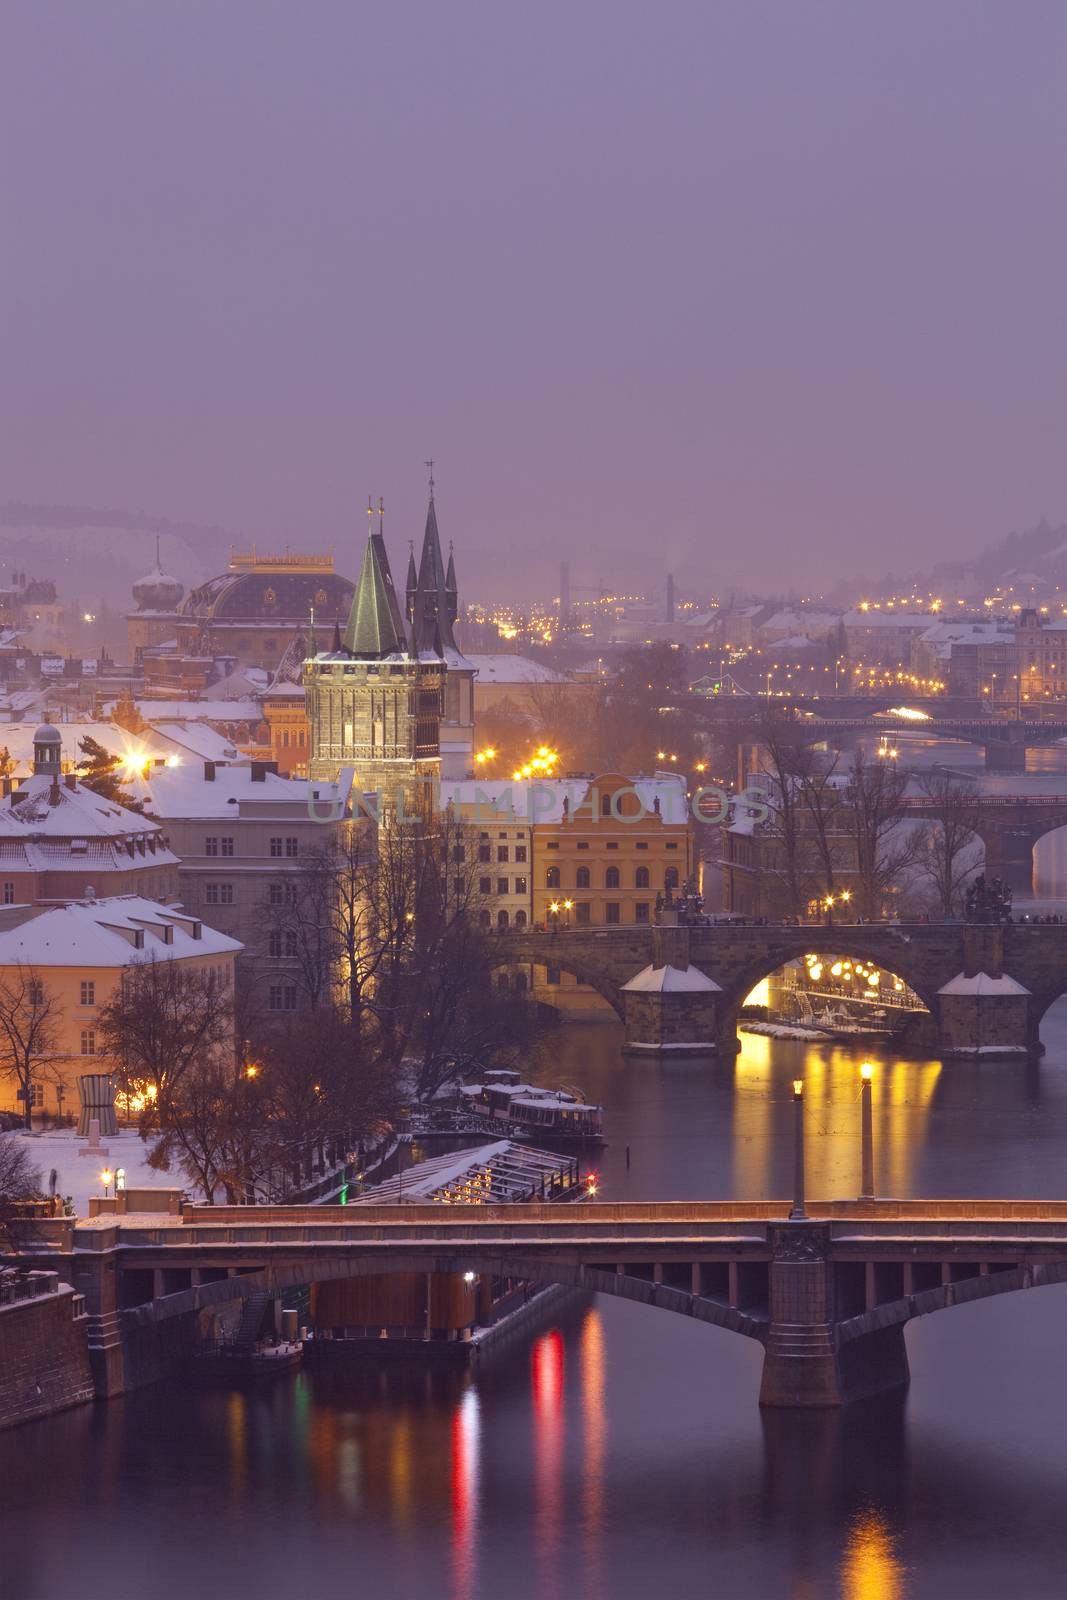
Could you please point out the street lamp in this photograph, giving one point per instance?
(105, 1178)
(568, 906)
(798, 1212)
(866, 1133)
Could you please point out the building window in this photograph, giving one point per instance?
(485, 885)
(521, 885)
(520, 919)
(282, 997)
(88, 992)
(641, 911)
(502, 919)
(292, 846)
(485, 852)
(275, 845)
(275, 945)
(673, 845)
(553, 844)
(9, 893)
(583, 844)
(211, 845)
(88, 1041)
(611, 878)
(605, 805)
(670, 878)
(457, 887)
(641, 878)
(484, 919)
(552, 976)
(218, 894)
(581, 878)
(459, 852)
(611, 911)
(520, 852)
(226, 846)
(502, 852)
(581, 913)
(612, 844)
(283, 894)
(642, 844)
(501, 886)
(520, 977)
(36, 993)
(552, 878)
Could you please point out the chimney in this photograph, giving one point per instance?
(261, 768)
(209, 772)
(53, 793)
(9, 784)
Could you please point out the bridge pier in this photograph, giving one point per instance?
(670, 1007)
(1006, 754)
(96, 1277)
(983, 1011)
(806, 1364)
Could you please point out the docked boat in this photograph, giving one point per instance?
(531, 1111)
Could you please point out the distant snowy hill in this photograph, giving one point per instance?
(95, 555)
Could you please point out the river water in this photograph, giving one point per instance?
(620, 1452)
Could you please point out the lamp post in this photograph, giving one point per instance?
(105, 1178)
(867, 1133)
(798, 1211)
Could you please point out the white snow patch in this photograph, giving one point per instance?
(672, 980)
(982, 983)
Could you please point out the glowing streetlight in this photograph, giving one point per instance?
(798, 1211)
(105, 1178)
(866, 1133)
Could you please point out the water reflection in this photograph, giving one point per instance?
(547, 1375)
(594, 1430)
(871, 1569)
(466, 1445)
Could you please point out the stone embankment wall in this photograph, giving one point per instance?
(44, 1351)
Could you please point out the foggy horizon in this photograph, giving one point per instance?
(766, 297)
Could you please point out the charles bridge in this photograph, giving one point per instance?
(826, 1294)
(681, 988)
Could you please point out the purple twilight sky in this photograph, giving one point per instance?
(769, 293)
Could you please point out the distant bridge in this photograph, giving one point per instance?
(827, 1296)
(929, 957)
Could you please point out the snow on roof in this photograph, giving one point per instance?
(672, 980)
(982, 983)
(219, 710)
(515, 1172)
(104, 933)
(18, 737)
(77, 811)
(199, 739)
(514, 669)
(186, 791)
(889, 619)
(542, 799)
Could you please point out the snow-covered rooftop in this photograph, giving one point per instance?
(117, 932)
(513, 669)
(187, 791)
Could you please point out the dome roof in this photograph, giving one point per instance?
(271, 596)
(48, 733)
(157, 591)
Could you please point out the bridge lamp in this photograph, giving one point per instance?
(105, 1178)
(866, 1133)
(554, 907)
(468, 1277)
(798, 1211)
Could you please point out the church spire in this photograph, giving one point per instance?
(413, 581)
(431, 611)
(374, 624)
(451, 587)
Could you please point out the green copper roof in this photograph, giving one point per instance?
(374, 627)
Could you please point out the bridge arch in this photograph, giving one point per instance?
(848, 941)
(596, 978)
(276, 1279)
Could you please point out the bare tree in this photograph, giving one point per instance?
(885, 846)
(29, 1015)
(165, 1019)
(20, 1181)
(948, 839)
